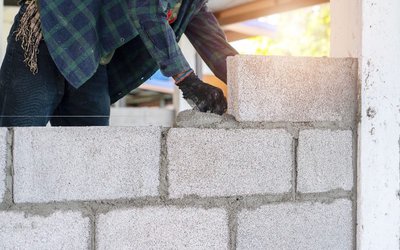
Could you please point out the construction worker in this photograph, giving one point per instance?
(67, 61)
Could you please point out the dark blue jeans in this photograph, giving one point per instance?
(34, 100)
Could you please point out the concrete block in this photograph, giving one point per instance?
(218, 162)
(292, 89)
(61, 230)
(61, 164)
(3, 162)
(163, 228)
(325, 161)
(297, 226)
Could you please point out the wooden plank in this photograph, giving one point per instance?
(235, 36)
(11, 2)
(259, 8)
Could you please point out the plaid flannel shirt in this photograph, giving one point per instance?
(78, 33)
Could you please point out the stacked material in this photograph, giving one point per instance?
(277, 172)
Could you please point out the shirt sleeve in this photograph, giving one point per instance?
(210, 42)
(150, 19)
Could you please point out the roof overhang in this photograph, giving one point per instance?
(251, 9)
(10, 2)
(234, 11)
(232, 14)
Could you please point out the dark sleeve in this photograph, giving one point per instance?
(210, 42)
(150, 20)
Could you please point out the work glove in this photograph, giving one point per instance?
(202, 96)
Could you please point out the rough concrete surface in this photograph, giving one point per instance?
(218, 162)
(3, 162)
(292, 89)
(325, 161)
(297, 226)
(61, 230)
(61, 164)
(196, 119)
(141, 117)
(163, 228)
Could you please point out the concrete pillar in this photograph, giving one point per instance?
(369, 29)
(346, 28)
(379, 169)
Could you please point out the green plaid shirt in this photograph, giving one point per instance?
(78, 33)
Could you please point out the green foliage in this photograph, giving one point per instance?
(303, 32)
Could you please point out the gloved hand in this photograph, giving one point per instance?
(202, 95)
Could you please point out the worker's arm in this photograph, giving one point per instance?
(150, 19)
(159, 38)
(210, 42)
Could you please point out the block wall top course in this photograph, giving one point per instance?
(292, 89)
(62, 164)
(218, 162)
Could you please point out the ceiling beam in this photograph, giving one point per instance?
(11, 2)
(259, 8)
(232, 35)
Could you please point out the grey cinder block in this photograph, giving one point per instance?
(62, 164)
(325, 161)
(292, 89)
(218, 162)
(3, 162)
(163, 228)
(61, 230)
(297, 226)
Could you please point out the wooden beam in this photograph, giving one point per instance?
(259, 8)
(11, 2)
(235, 36)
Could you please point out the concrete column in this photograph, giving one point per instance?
(369, 29)
(379, 151)
(346, 28)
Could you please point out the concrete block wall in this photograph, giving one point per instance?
(211, 182)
